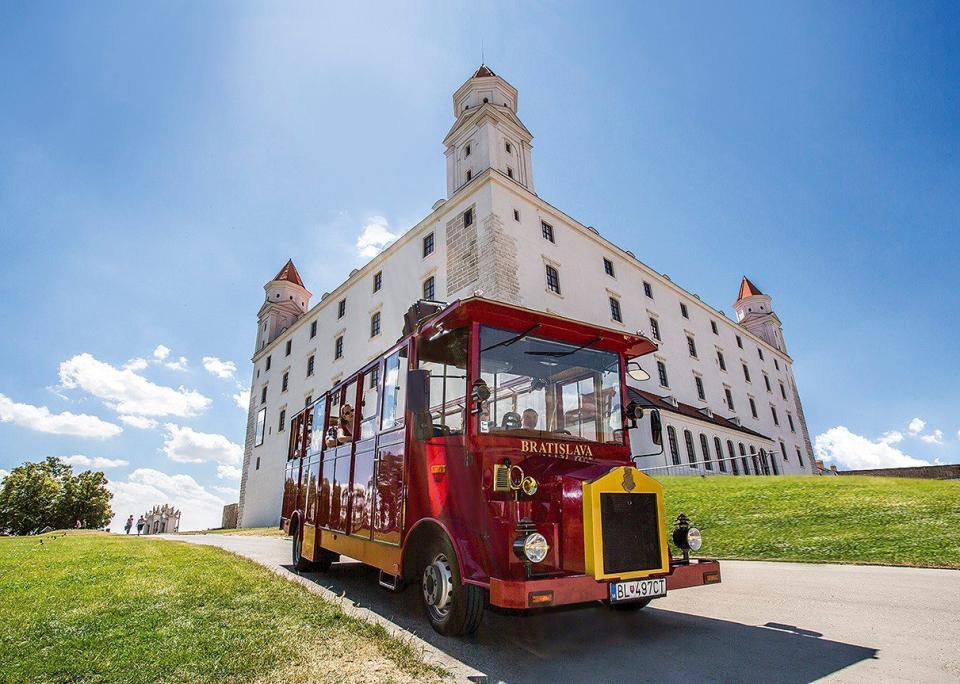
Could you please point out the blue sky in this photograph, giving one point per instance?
(159, 163)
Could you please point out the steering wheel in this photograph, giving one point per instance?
(511, 421)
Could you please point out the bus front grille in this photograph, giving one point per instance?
(630, 530)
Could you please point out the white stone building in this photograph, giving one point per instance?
(719, 384)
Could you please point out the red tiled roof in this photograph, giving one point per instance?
(289, 272)
(482, 71)
(651, 399)
(747, 289)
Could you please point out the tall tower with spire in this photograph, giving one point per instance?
(487, 133)
(286, 300)
(755, 313)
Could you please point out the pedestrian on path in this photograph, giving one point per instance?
(129, 524)
(140, 523)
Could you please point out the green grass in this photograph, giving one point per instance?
(243, 532)
(93, 607)
(881, 520)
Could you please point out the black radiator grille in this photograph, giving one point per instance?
(630, 531)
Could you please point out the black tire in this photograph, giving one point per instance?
(629, 606)
(453, 608)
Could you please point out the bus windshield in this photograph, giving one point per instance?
(545, 389)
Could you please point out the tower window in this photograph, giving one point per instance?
(285, 381)
(766, 381)
(508, 147)
(313, 329)
(776, 364)
(615, 310)
(268, 363)
(783, 391)
(647, 289)
(338, 348)
(466, 150)
(516, 214)
(547, 231)
(790, 421)
(729, 396)
(713, 327)
(746, 373)
(377, 281)
(608, 268)
(799, 456)
(428, 245)
(375, 324)
(283, 419)
(469, 175)
(721, 361)
(429, 287)
(553, 279)
(341, 308)
(753, 408)
(509, 172)
(311, 360)
(683, 310)
(655, 328)
(773, 411)
(699, 382)
(662, 373)
(468, 216)
(739, 342)
(760, 352)
(263, 395)
(289, 348)
(691, 346)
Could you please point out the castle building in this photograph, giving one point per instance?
(163, 519)
(725, 388)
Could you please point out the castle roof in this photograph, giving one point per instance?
(482, 72)
(289, 273)
(650, 399)
(747, 289)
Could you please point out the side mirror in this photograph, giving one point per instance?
(636, 372)
(418, 391)
(656, 427)
(634, 413)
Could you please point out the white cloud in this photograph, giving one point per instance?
(375, 237)
(161, 352)
(222, 369)
(186, 445)
(179, 365)
(229, 492)
(916, 426)
(95, 462)
(145, 488)
(936, 437)
(892, 437)
(136, 364)
(3, 473)
(243, 399)
(229, 472)
(126, 392)
(139, 422)
(856, 452)
(40, 418)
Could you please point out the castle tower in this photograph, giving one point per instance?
(487, 133)
(286, 300)
(755, 313)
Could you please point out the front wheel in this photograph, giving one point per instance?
(453, 608)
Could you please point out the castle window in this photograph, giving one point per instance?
(721, 361)
(776, 364)
(739, 342)
(429, 287)
(766, 381)
(341, 308)
(288, 348)
(705, 449)
(375, 324)
(428, 245)
(655, 329)
(516, 214)
(760, 352)
(674, 449)
(699, 382)
(783, 391)
(468, 214)
(466, 150)
(338, 348)
(647, 289)
(615, 310)
(311, 361)
(713, 327)
(662, 373)
(508, 147)
(799, 457)
(313, 329)
(263, 395)
(283, 419)
(683, 310)
(553, 279)
(688, 441)
(718, 450)
(469, 175)
(285, 381)
(268, 363)
(729, 395)
(509, 172)
(608, 268)
(733, 457)
(746, 373)
(547, 230)
(753, 408)
(773, 411)
(377, 281)
(260, 430)
(790, 421)
(691, 346)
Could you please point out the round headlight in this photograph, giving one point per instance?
(694, 541)
(535, 547)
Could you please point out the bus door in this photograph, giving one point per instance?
(365, 453)
(386, 514)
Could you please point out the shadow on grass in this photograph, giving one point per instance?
(597, 644)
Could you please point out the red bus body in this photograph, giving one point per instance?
(380, 497)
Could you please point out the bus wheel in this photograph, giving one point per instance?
(453, 608)
(300, 563)
(629, 606)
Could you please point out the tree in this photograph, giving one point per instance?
(37, 495)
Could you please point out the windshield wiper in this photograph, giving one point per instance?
(507, 342)
(559, 354)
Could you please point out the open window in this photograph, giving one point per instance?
(444, 357)
(394, 390)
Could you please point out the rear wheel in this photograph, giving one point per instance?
(629, 606)
(453, 608)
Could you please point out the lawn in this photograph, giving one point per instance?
(243, 532)
(880, 520)
(93, 607)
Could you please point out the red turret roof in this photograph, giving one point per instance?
(289, 272)
(747, 289)
(482, 72)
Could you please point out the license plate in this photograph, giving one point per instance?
(637, 589)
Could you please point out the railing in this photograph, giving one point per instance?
(703, 468)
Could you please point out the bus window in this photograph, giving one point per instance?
(347, 423)
(369, 398)
(394, 390)
(317, 424)
(446, 359)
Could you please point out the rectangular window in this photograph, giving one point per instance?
(746, 373)
(655, 329)
(760, 352)
(263, 395)
(615, 310)
(369, 400)
(608, 267)
(799, 456)
(289, 347)
(508, 147)
(783, 391)
(509, 172)
(285, 381)
(662, 372)
(699, 382)
(375, 324)
(429, 288)
(773, 410)
(547, 231)
(466, 150)
(553, 279)
(394, 390)
(683, 310)
(261, 427)
(282, 421)
(341, 308)
(468, 214)
(338, 348)
(377, 281)
(776, 364)
(721, 361)
(428, 245)
(739, 342)
(766, 381)
(790, 421)
(313, 329)
(713, 327)
(516, 214)
(268, 363)
(310, 363)
(753, 408)
(469, 178)
(729, 395)
(648, 289)
(691, 346)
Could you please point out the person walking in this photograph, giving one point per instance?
(129, 524)
(140, 523)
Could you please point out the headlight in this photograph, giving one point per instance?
(693, 539)
(686, 538)
(535, 547)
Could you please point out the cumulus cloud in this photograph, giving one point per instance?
(186, 445)
(243, 399)
(375, 237)
(126, 392)
(218, 367)
(145, 488)
(229, 472)
(229, 492)
(139, 422)
(161, 352)
(40, 418)
(179, 365)
(916, 426)
(935, 437)
(95, 462)
(136, 364)
(892, 437)
(855, 452)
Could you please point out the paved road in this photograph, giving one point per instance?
(784, 622)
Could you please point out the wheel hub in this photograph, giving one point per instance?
(438, 585)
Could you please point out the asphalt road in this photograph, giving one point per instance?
(783, 622)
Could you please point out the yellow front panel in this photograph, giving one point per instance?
(625, 479)
(309, 537)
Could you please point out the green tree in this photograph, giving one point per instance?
(85, 498)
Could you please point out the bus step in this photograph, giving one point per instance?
(390, 582)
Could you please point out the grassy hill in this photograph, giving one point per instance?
(93, 607)
(880, 520)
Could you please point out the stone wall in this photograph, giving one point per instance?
(498, 262)
(463, 261)
(931, 472)
(230, 517)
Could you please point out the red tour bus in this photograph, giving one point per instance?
(486, 457)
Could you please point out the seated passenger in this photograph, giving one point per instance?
(530, 419)
(344, 430)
